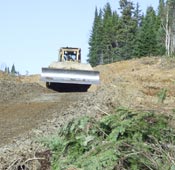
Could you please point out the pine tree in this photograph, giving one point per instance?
(119, 37)
(147, 34)
(108, 33)
(13, 71)
(126, 30)
(114, 42)
(102, 42)
(138, 19)
(138, 15)
(7, 70)
(95, 40)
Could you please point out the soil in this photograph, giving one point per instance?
(29, 112)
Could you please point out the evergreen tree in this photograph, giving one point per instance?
(138, 19)
(95, 40)
(119, 37)
(147, 35)
(102, 41)
(108, 33)
(13, 71)
(137, 15)
(126, 30)
(114, 42)
(161, 9)
(7, 70)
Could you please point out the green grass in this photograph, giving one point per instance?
(162, 95)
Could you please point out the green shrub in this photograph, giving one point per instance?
(126, 140)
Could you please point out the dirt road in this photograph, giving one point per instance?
(19, 116)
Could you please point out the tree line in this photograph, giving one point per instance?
(12, 71)
(131, 33)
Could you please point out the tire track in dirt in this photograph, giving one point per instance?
(20, 116)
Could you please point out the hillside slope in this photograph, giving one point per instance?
(36, 112)
(139, 82)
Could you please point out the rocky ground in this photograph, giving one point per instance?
(29, 112)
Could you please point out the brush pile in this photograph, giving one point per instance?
(127, 139)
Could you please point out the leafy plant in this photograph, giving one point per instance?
(162, 95)
(127, 139)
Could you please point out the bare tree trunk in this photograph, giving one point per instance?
(167, 31)
(173, 31)
(101, 58)
(170, 29)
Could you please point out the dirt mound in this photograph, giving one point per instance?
(32, 79)
(138, 82)
(16, 88)
(15, 91)
(145, 84)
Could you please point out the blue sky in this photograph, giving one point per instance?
(32, 31)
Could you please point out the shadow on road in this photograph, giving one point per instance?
(64, 87)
